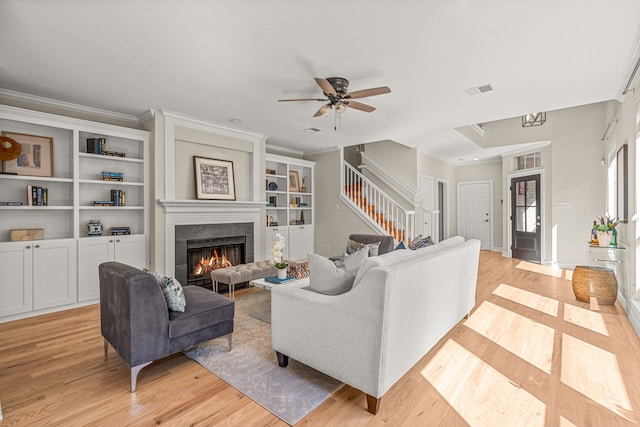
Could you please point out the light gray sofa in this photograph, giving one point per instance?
(401, 304)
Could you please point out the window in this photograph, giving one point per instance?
(528, 161)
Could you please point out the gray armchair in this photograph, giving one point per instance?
(135, 320)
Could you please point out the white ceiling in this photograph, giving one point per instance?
(218, 60)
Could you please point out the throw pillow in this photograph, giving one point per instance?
(172, 290)
(420, 242)
(353, 246)
(326, 278)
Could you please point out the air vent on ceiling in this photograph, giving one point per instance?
(479, 89)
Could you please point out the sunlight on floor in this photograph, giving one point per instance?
(566, 423)
(595, 373)
(479, 393)
(542, 269)
(535, 301)
(529, 340)
(585, 318)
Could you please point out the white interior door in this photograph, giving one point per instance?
(475, 216)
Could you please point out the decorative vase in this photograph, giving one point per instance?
(94, 228)
(282, 273)
(604, 238)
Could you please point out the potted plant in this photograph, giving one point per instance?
(276, 256)
(606, 228)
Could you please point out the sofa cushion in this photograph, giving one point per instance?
(204, 309)
(172, 290)
(353, 246)
(327, 278)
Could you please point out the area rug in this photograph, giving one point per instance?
(251, 366)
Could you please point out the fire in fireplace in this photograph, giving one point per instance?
(206, 255)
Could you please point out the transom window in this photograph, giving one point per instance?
(529, 161)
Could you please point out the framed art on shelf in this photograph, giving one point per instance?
(294, 181)
(214, 179)
(36, 156)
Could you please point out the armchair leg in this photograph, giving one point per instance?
(106, 347)
(283, 359)
(134, 375)
(230, 343)
(373, 404)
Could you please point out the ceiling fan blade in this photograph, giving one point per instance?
(368, 92)
(302, 99)
(358, 106)
(322, 110)
(325, 86)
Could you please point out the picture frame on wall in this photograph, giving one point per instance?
(294, 181)
(36, 155)
(214, 179)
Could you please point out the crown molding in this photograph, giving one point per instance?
(68, 106)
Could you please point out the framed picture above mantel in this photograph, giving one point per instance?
(214, 179)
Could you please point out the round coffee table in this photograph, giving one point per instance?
(599, 282)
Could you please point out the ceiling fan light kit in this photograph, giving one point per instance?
(337, 97)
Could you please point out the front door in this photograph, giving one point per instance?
(525, 218)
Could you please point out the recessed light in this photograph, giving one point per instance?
(312, 130)
(476, 159)
(235, 121)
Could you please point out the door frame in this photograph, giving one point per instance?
(491, 216)
(509, 220)
(443, 210)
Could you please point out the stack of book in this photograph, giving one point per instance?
(11, 203)
(112, 176)
(102, 203)
(119, 231)
(37, 196)
(119, 197)
(114, 153)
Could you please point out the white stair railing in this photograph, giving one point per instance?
(376, 207)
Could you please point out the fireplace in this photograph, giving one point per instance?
(199, 248)
(206, 255)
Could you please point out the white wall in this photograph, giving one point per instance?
(572, 173)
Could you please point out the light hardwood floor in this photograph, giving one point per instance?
(529, 355)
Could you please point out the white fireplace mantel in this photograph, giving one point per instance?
(195, 212)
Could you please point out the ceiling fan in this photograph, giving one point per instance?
(335, 91)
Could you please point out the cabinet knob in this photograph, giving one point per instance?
(37, 246)
(110, 240)
(117, 240)
(28, 247)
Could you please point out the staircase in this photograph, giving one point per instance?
(375, 207)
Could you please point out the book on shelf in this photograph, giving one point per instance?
(119, 231)
(102, 203)
(119, 197)
(96, 145)
(11, 203)
(37, 196)
(114, 154)
(274, 279)
(112, 176)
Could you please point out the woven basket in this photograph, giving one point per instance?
(597, 282)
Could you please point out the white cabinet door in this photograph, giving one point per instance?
(300, 242)
(16, 291)
(54, 273)
(270, 237)
(131, 250)
(92, 252)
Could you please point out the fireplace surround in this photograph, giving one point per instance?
(234, 240)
